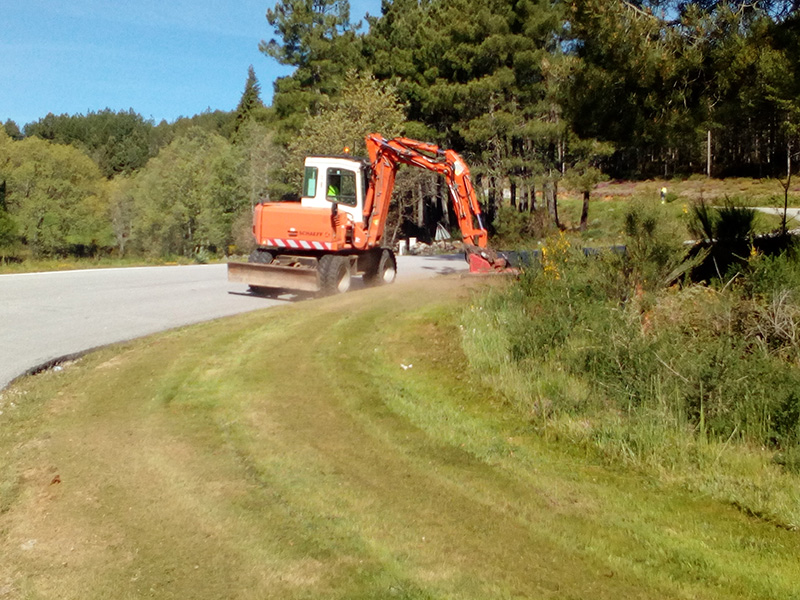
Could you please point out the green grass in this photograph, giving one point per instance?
(752, 192)
(288, 454)
(611, 200)
(606, 216)
(694, 385)
(30, 265)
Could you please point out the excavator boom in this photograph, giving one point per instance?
(386, 155)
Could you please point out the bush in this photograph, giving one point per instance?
(764, 275)
(9, 234)
(598, 350)
(514, 228)
(727, 237)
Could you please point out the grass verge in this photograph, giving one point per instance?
(29, 265)
(338, 449)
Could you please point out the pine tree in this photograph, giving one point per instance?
(12, 129)
(484, 83)
(250, 105)
(318, 40)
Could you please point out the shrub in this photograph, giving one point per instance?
(597, 350)
(727, 236)
(652, 250)
(764, 275)
(514, 228)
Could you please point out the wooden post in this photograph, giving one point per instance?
(708, 154)
(420, 204)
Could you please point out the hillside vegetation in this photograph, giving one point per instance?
(540, 97)
(353, 448)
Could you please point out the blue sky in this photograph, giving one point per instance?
(162, 58)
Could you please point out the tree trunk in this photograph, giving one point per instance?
(492, 208)
(547, 191)
(585, 211)
(444, 199)
(787, 186)
(551, 199)
(513, 195)
(556, 220)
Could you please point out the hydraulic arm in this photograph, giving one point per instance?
(387, 155)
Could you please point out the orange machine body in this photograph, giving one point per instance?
(337, 228)
(291, 226)
(345, 201)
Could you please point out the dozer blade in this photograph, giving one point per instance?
(303, 279)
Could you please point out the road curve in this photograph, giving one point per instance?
(792, 214)
(47, 316)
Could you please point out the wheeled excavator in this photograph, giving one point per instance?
(337, 229)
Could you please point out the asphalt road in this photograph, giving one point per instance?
(47, 316)
(792, 215)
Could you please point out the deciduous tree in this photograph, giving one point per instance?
(57, 196)
(187, 197)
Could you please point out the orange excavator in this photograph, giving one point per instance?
(337, 229)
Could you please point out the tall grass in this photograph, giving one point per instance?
(30, 265)
(693, 383)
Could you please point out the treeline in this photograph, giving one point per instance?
(537, 94)
(58, 202)
(533, 91)
(113, 182)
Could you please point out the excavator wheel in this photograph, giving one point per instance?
(384, 271)
(259, 256)
(334, 274)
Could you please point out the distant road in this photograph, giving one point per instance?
(792, 214)
(46, 316)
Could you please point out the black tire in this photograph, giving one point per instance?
(385, 270)
(334, 274)
(259, 256)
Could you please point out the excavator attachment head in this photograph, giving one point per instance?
(486, 260)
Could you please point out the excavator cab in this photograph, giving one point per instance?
(341, 181)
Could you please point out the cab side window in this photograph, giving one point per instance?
(310, 182)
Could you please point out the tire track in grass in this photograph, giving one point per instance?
(283, 455)
(399, 496)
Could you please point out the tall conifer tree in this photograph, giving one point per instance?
(250, 104)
